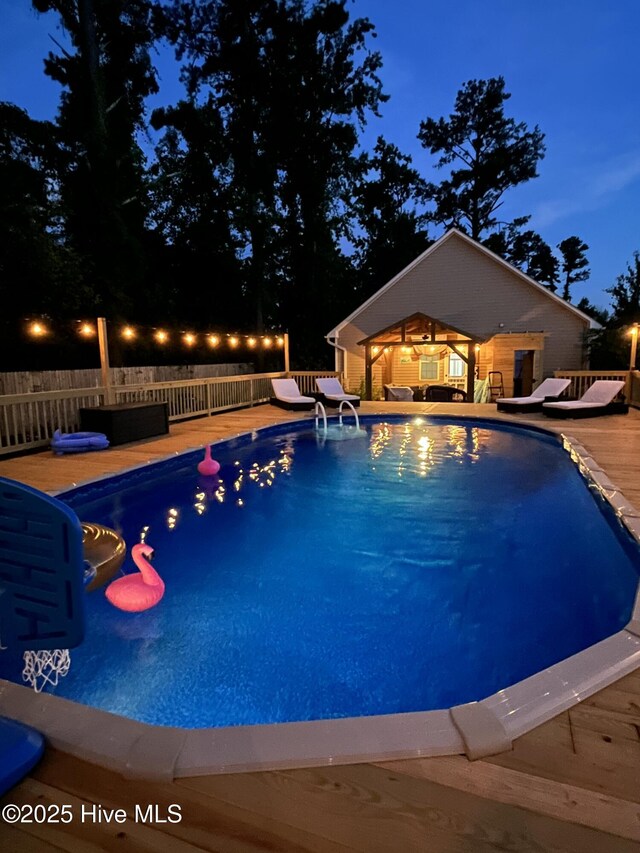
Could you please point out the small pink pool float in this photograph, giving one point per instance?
(140, 590)
(208, 467)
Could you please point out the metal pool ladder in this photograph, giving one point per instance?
(352, 407)
(320, 410)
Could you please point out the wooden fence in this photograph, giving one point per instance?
(28, 421)
(26, 382)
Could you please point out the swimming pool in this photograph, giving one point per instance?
(422, 565)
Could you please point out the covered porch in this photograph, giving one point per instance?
(422, 351)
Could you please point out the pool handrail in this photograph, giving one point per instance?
(352, 407)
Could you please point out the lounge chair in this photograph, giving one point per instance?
(548, 389)
(596, 400)
(333, 393)
(288, 396)
(398, 393)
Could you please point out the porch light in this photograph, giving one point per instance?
(251, 342)
(375, 350)
(233, 342)
(213, 340)
(406, 349)
(189, 339)
(128, 333)
(267, 342)
(280, 342)
(87, 330)
(161, 336)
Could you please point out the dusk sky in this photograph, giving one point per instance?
(571, 67)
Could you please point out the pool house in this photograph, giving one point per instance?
(456, 314)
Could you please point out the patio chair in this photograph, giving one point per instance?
(332, 393)
(598, 399)
(398, 393)
(547, 390)
(288, 396)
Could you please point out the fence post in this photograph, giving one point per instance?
(105, 371)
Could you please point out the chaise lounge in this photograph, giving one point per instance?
(598, 399)
(548, 390)
(332, 393)
(288, 396)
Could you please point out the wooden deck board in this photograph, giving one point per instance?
(570, 785)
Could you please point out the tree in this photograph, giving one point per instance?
(191, 203)
(390, 225)
(287, 84)
(105, 80)
(626, 294)
(574, 263)
(609, 346)
(493, 153)
(38, 273)
(600, 315)
(527, 251)
(534, 256)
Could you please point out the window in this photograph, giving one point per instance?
(429, 366)
(456, 365)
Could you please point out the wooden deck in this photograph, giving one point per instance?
(572, 784)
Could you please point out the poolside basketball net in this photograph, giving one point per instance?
(45, 666)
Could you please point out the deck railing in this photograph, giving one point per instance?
(583, 379)
(28, 421)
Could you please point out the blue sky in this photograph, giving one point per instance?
(571, 67)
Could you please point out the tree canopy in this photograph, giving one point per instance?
(251, 202)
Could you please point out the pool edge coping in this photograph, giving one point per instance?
(141, 750)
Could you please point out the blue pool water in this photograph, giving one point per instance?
(421, 566)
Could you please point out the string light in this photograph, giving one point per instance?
(38, 330)
(86, 329)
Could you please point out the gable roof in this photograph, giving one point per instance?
(415, 324)
(454, 233)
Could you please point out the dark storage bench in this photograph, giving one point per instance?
(124, 422)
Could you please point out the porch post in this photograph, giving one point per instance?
(471, 372)
(368, 384)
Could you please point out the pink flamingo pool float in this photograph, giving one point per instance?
(209, 467)
(138, 591)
